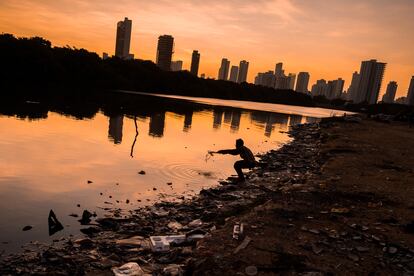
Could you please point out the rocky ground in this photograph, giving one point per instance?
(337, 200)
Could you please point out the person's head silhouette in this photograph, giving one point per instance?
(239, 143)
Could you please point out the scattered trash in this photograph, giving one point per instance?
(128, 269)
(238, 231)
(162, 243)
(54, 224)
(243, 245)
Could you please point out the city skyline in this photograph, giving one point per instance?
(360, 30)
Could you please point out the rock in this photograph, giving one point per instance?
(86, 217)
(195, 223)
(27, 228)
(90, 230)
(127, 201)
(84, 242)
(136, 241)
(353, 257)
(251, 270)
(392, 250)
(141, 172)
(89, 182)
(317, 250)
(74, 215)
(128, 269)
(314, 231)
(175, 226)
(340, 210)
(173, 270)
(362, 249)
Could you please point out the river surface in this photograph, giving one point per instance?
(59, 160)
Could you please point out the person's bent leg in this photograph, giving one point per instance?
(238, 165)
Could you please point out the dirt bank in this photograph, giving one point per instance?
(352, 217)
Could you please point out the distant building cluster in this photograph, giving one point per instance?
(279, 80)
(364, 88)
(236, 73)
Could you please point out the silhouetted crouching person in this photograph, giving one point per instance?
(246, 154)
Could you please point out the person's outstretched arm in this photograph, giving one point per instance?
(229, 151)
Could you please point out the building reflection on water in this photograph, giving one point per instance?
(188, 120)
(157, 124)
(268, 121)
(115, 128)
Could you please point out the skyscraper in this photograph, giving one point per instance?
(279, 70)
(123, 39)
(389, 95)
(410, 94)
(224, 69)
(243, 69)
(234, 73)
(165, 51)
(353, 88)
(319, 88)
(302, 82)
(369, 86)
(176, 65)
(291, 81)
(195, 62)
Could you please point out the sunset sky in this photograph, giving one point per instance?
(327, 38)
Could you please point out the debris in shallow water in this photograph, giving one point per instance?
(27, 228)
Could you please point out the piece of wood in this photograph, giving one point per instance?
(243, 245)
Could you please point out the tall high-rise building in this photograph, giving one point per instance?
(243, 69)
(389, 95)
(291, 81)
(177, 65)
(279, 69)
(234, 73)
(224, 69)
(123, 39)
(165, 50)
(353, 88)
(410, 94)
(195, 62)
(302, 82)
(371, 75)
(319, 88)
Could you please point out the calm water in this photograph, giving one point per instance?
(48, 157)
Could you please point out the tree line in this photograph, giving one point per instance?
(34, 67)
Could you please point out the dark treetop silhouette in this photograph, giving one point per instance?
(33, 67)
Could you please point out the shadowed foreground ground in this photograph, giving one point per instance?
(353, 217)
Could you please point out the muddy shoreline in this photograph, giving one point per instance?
(275, 203)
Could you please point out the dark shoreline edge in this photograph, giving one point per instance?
(286, 169)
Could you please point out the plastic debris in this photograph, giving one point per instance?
(128, 269)
(162, 243)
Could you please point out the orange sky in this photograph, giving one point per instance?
(327, 38)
